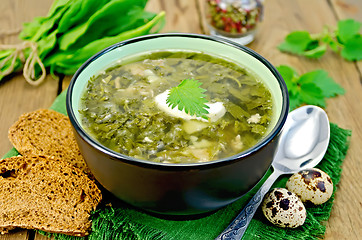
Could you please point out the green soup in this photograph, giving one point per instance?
(119, 108)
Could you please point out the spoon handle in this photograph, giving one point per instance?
(238, 226)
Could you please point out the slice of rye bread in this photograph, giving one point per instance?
(45, 193)
(47, 132)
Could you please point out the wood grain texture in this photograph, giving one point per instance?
(349, 9)
(16, 95)
(281, 17)
(18, 235)
(38, 236)
(181, 15)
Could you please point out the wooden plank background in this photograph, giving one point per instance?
(281, 17)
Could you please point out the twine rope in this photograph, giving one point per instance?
(6, 33)
(29, 62)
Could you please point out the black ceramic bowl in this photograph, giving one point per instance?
(179, 189)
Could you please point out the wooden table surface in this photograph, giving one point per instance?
(281, 17)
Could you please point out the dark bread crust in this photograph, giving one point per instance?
(47, 132)
(46, 193)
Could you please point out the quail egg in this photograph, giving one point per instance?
(311, 185)
(283, 208)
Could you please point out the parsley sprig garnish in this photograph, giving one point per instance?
(190, 97)
(345, 40)
(309, 88)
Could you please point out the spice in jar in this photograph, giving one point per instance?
(234, 17)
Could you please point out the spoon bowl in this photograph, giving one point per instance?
(302, 145)
(304, 140)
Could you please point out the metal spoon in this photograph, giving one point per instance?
(302, 145)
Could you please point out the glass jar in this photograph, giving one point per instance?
(236, 20)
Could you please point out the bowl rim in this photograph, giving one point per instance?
(176, 166)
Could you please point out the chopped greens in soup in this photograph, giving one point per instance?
(125, 108)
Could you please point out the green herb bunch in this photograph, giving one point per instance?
(345, 40)
(75, 30)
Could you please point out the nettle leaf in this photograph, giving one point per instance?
(352, 50)
(309, 88)
(188, 96)
(347, 29)
(302, 43)
(295, 102)
(290, 77)
(313, 44)
(296, 42)
(321, 79)
(346, 40)
(288, 73)
(311, 94)
(316, 52)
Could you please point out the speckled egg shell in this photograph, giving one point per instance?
(311, 185)
(283, 208)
